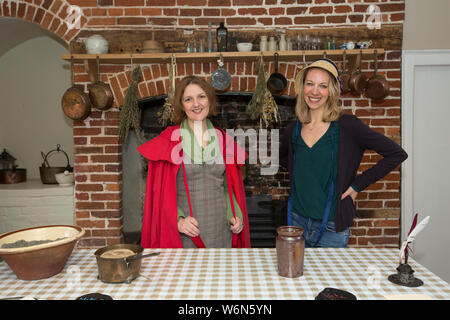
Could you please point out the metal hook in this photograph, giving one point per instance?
(131, 58)
(220, 61)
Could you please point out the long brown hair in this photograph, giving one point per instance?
(332, 110)
(179, 114)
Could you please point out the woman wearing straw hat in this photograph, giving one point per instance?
(322, 151)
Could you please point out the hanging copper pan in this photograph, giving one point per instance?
(358, 81)
(75, 102)
(345, 76)
(100, 93)
(377, 86)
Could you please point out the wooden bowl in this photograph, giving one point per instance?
(152, 46)
(40, 260)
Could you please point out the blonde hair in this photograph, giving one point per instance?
(332, 109)
(179, 114)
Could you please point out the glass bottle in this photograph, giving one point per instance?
(318, 43)
(210, 37)
(333, 44)
(289, 45)
(307, 42)
(188, 48)
(272, 46)
(222, 38)
(300, 45)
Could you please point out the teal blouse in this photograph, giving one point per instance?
(312, 174)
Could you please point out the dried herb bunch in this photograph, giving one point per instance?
(130, 115)
(167, 113)
(262, 105)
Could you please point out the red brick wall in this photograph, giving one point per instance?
(98, 151)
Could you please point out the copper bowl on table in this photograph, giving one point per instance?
(40, 260)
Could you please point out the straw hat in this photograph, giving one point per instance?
(325, 64)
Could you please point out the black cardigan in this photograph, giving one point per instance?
(355, 138)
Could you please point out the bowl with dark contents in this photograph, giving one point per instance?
(39, 252)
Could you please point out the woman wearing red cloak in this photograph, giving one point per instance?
(194, 194)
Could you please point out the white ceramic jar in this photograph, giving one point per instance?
(263, 43)
(282, 43)
(272, 44)
(96, 44)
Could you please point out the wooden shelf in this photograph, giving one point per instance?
(147, 58)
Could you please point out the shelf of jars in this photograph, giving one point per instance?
(251, 56)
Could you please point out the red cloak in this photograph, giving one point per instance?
(159, 225)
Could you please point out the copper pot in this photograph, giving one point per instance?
(358, 80)
(122, 269)
(75, 102)
(11, 176)
(345, 77)
(100, 93)
(377, 86)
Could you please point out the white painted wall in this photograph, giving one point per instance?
(33, 78)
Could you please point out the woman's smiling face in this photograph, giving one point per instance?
(195, 103)
(316, 91)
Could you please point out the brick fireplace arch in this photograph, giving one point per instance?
(55, 16)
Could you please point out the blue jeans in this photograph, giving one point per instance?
(330, 238)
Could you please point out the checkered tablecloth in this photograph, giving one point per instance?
(231, 274)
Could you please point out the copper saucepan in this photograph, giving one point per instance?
(358, 80)
(377, 86)
(120, 269)
(100, 93)
(75, 102)
(345, 76)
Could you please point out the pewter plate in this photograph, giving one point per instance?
(220, 79)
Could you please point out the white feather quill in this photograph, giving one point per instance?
(412, 235)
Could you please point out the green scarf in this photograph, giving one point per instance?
(193, 149)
